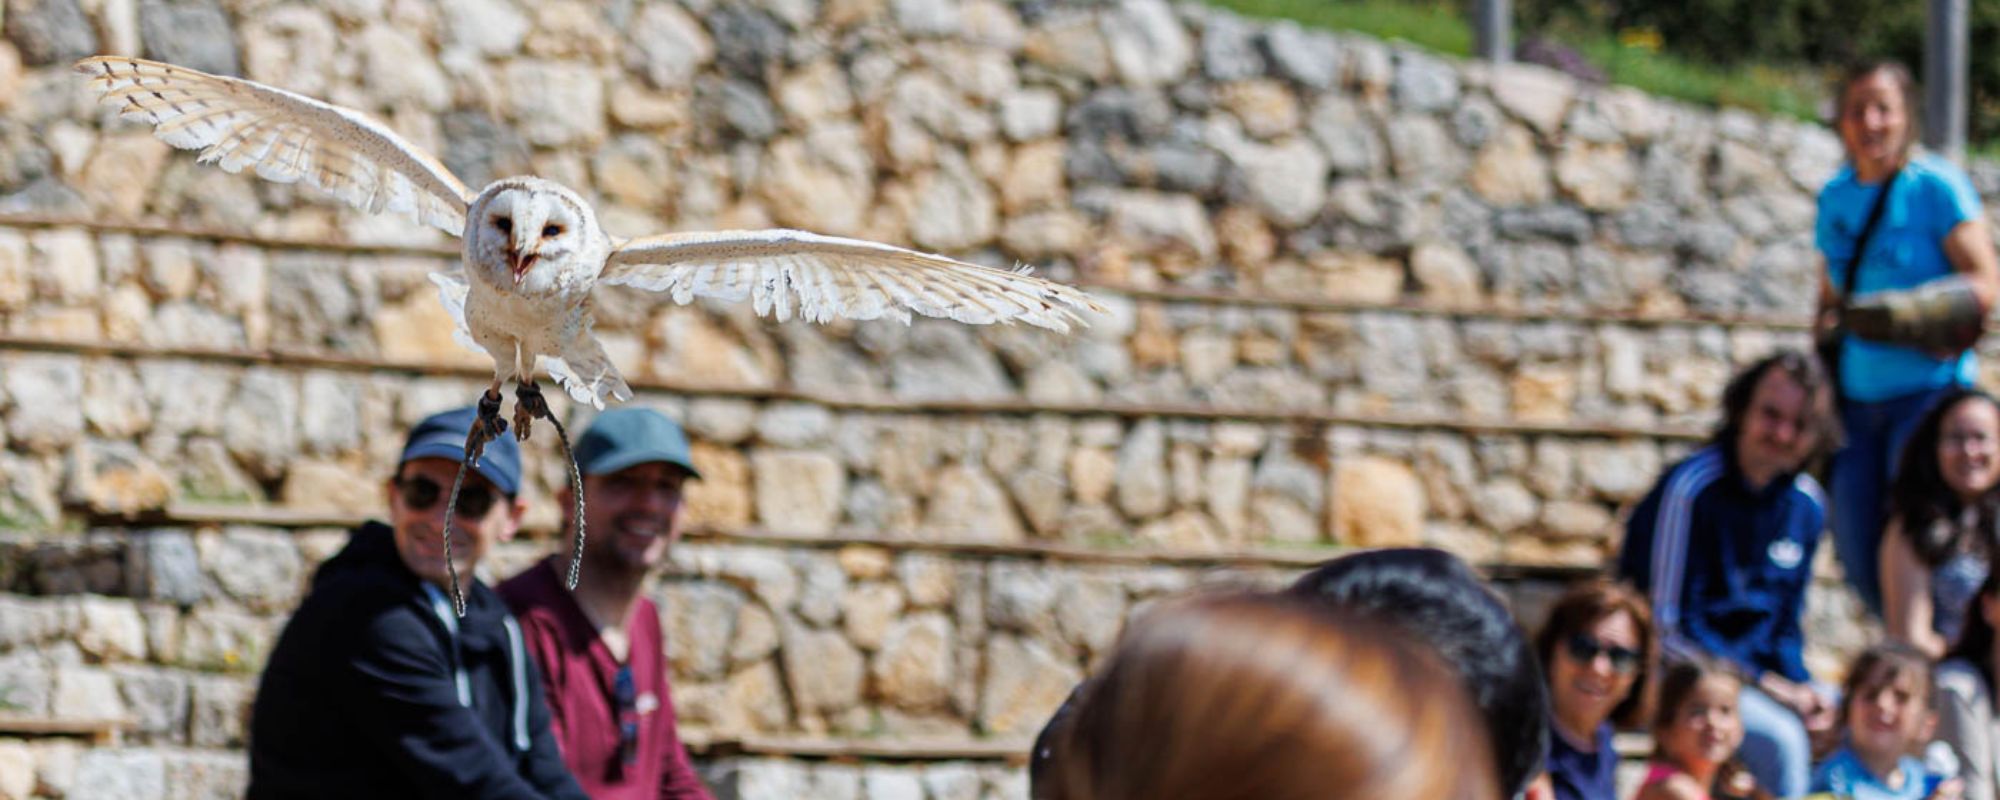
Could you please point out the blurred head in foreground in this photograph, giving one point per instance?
(1270, 697)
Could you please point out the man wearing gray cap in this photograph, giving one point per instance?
(376, 689)
(602, 655)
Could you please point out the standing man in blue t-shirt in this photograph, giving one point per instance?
(1928, 265)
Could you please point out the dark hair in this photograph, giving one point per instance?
(1975, 639)
(1678, 682)
(1269, 697)
(1899, 659)
(1434, 597)
(1906, 84)
(1820, 421)
(1584, 605)
(1926, 509)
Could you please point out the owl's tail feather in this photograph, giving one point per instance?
(588, 374)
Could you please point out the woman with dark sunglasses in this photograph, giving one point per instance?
(1596, 650)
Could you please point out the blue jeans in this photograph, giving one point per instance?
(1775, 747)
(1861, 472)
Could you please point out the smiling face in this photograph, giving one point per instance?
(526, 235)
(633, 516)
(1968, 449)
(417, 498)
(1594, 669)
(1705, 729)
(1775, 436)
(1887, 713)
(1875, 122)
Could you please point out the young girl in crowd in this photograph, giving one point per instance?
(1696, 733)
(1886, 715)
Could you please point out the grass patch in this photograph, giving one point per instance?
(1437, 27)
(1787, 91)
(1790, 91)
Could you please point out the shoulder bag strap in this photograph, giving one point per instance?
(1867, 232)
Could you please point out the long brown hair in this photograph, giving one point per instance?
(1588, 603)
(1928, 510)
(1229, 697)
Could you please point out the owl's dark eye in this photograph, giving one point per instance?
(551, 231)
(504, 224)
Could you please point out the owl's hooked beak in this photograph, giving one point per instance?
(519, 263)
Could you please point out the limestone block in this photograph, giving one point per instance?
(916, 664)
(797, 491)
(700, 620)
(823, 671)
(866, 611)
(1023, 683)
(1377, 502)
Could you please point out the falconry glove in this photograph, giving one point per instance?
(1940, 316)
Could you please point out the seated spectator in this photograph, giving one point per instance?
(1724, 544)
(1944, 520)
(1426, 596)
(603, 659)
(1264, 697)
(1695, 735)
(376, 688)
(1967, 717)
(1597, 650)
(1885, 712)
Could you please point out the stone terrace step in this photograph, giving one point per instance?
(845, 640)
(1609, 364)
(154, 430)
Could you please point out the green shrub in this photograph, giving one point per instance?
(1823, 35)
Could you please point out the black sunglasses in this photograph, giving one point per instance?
(625, 694)
(1585, 649)
(421, 493)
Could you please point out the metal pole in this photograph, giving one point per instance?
(1494, 28)
(1946, 41)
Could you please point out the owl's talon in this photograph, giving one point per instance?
(487, 427)
(529, 405)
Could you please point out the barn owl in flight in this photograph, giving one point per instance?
(532, 250)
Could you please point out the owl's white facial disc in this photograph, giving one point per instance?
(532, 236)
(534, 229)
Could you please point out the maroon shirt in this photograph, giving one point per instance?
(578, 674)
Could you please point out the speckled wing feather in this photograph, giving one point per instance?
(818, 278)
(287, 137)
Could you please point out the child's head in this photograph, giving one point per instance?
(1697, 724)
(1887, 700)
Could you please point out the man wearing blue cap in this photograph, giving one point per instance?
(376, 689)
(600, 648)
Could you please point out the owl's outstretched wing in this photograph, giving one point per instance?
(287, 137)
(822, 277)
